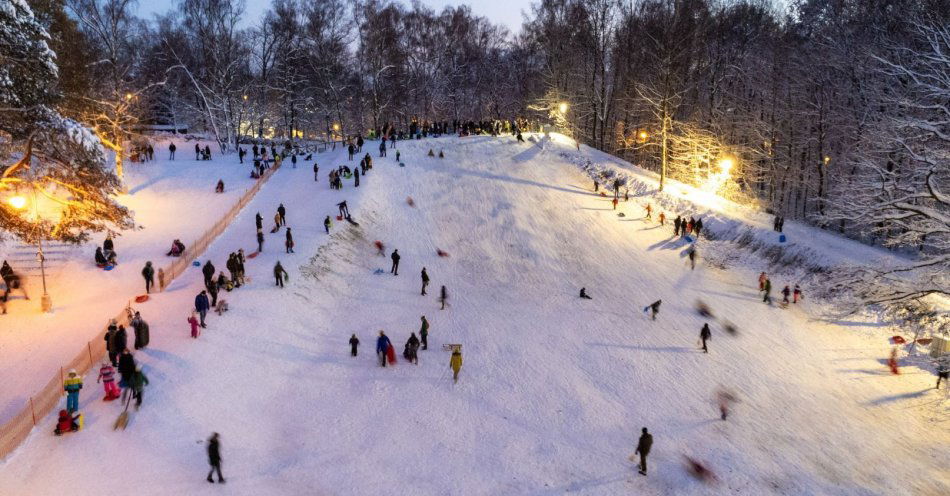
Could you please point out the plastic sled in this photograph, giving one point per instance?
(621, 214)
(275, 229)
(391, 354)
(401, 164)
(108, 267)
(253, 255)
(924, 341)
(101, 266)
(898, 340)
(196, 263)
(442, 253)
(339, 218)
(689, 238)
(603, 194)
(141, 298)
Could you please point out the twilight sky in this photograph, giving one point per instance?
(506, 12)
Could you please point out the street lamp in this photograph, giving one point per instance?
(562, 107)
(18, 202)
(643, 135)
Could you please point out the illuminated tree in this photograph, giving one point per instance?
(56, 185)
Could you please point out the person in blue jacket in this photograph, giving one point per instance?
(202, 305)
(382, 346)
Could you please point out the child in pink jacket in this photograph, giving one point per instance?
(194, 325)
(107, 376)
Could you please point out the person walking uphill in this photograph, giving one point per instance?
(326, 224)
(425, 281)
(148, 273)
(382, 347)
(280, 274)
(208, 271)
(455, 363)
(289, 244)
(282, 212)
(643, 449)
(395, 257)
(705, 335)
(139, 381)
(354, 342)
(201, 306)
(424, 333)
(214, 458)
(71, 386)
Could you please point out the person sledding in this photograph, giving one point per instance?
(177, 248)
(66, 423)
(100, 258)
(584, 294)
(412, 349)
(220, 186)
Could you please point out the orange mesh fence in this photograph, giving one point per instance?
(15, 430)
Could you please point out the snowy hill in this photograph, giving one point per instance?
(554, 389)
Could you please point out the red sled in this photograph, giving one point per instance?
(898, 340)
(253, 255)
(391, 355)
(441, 253)
(141, 298)
(339, 217)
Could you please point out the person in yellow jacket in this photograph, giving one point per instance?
(71, 386)
(456, 363)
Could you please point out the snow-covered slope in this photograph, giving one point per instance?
(170, 199)
(554, 389)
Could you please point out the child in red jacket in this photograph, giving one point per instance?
(194, 325)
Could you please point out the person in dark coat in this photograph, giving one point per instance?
(395, 257)
(356, 179)
(171, 151)
(259, 221)
(326, 224)
(692, 258)
(316, 172)
(705, 335)
(425, 280)
(214, 458)
(140, 328)
(148, 273)
(676, 225)
(197, 151)
(382, 148)
(354, 342)
(643, 449)
(280, 274)
(699, 227)
(202, 305)
(412, 348)
(100, 258)
(351, 150)
(289, 243)
(208, 271)
(137, 383)
(654, 308)
(213, 291)
(121, 339)
(111, 344)
(584, 294)
(443, 297)
(382, 346)
(282, 212)
(260, 240)
(126, 369)
(424, 333)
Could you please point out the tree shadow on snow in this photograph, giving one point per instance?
(587, 484)
(883, 400)
(659, 349)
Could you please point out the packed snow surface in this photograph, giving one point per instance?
(554, 389)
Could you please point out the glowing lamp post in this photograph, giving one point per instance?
(19, 203)
(562, 108)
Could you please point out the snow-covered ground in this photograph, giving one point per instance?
(554, 389)
(170, 199)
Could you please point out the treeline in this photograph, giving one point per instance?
(832, 111)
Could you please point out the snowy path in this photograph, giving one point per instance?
(170, 199)
(554, 389)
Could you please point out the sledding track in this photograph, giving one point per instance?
(554, 389)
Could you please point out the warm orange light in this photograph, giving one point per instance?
(17, 202)
(128, 96)
(245, 98)
(643, 135)
(336, 127)
(562, 107)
